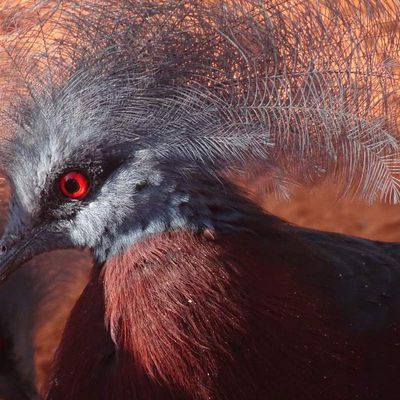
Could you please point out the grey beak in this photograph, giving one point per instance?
(15, 250)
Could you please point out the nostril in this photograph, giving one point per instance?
(3, 248)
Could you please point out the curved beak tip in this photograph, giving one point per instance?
(13, 253)
(15, 250)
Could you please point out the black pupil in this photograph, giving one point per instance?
(72, 185)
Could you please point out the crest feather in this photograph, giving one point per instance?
(299, 90)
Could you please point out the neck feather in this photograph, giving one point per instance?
(175, 203)
(207, 314)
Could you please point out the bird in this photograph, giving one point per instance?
(127, 131)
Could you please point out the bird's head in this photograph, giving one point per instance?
(85, 171)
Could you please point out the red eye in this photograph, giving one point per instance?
(74, 185)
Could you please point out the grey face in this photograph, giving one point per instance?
(48, 211)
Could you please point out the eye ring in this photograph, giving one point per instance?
(74, 185)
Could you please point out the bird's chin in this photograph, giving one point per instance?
(15, 250)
